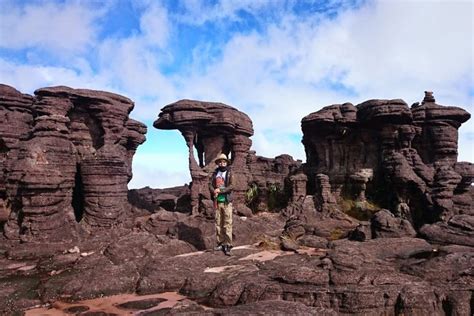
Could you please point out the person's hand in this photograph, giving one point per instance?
(217, 191)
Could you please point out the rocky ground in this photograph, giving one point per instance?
(133, 271)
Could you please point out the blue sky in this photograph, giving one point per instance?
(276, 60)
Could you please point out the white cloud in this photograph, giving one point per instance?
(68, 27)
(199, 12)
(155, 25)
(133, 69)
(128, 66)
(397, 47)
(263, 143)
(29, 77)
(159, 170)
(387, 50)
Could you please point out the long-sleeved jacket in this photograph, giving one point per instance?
(228, 182)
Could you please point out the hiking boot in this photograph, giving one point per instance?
(227, 249)
(219, 248)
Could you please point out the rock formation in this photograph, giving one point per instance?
(408, 155)
(378, 155)
(175, 199)
(66, 157)
(213, 128)
(379, 220)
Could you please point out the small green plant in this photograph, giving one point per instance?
(251, 196)
(277, 197)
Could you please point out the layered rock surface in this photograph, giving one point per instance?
(410, 153)
(377, 222)
(392, 276)
(66, 159)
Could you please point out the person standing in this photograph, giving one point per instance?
(221, 186)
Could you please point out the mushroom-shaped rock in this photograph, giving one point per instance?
(217, 117)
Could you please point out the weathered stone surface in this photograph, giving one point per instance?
(450, 269)
(463, 197)
(458, 230)
(385, 224)
(367, 283)
(411, 154)
(16, 293)
(16, 119)
(378, 276)
(66, 157)
(140, 245)
(277, 308)
(200, 231)
(82, 282)
(171, 199)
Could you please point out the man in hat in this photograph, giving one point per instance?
(220, 186)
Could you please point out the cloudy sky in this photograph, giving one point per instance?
(276, 60)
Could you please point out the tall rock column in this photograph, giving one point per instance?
(438, 146)
(189, 135)
(16, 121)
(199, 185)
(240, 147)
(104, 179)
(43, 179)
(68, 173)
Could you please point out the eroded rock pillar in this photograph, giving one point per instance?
(323, 196)
(44, 179)
(104, 177)
(240, 148)
(298, 186)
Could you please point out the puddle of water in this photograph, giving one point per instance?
(109, 304)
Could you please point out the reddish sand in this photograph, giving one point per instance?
(109, 304)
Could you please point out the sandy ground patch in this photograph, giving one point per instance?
(109, 304)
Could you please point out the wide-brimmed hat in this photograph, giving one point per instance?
(221, 157)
